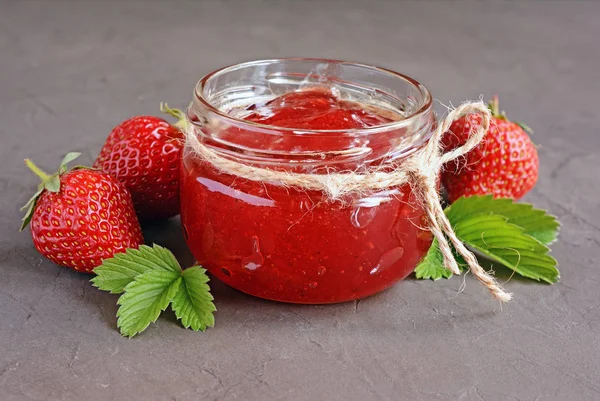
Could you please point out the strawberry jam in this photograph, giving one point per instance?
(315, 109)
(291, 244)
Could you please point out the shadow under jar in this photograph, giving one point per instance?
(291, 244)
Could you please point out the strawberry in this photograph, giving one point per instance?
(144, 153)
(504, 164)
(80, 217)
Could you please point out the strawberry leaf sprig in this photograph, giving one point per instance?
(515, 235)
(149, 279)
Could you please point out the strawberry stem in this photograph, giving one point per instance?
(177, 113)
(495, 106)
(38, 171)
(49, 183)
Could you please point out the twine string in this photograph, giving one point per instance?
(420, 169)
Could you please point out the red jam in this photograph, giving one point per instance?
(293, 245)
(316, 109)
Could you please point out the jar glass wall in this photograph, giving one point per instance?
(292, 244)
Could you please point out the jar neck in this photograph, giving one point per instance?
(221, 98)
(272, 146)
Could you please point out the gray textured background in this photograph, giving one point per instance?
(70, 71)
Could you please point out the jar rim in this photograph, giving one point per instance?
(424, 107)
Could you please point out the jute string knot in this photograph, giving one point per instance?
(420, 169)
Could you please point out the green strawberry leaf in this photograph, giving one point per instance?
(33, 199)
(193, 302)
(116, 273)
(144, 299)
(503, 231)
(69, 157)
(525, 127)
(150, 278)
(30, 207)
(53, 183)
(534, 222)
(493, 236)
(432, 265)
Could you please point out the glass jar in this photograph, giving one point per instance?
(292, 244)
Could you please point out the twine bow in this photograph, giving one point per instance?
(421, 169)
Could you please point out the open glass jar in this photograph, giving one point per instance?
(288, 243)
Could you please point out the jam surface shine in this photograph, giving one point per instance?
(317, 109)
(293, 245)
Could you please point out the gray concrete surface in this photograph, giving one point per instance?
(71, 70)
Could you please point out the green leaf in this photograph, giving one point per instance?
(534, 222)
(509, 233)
(53, 183)
(432, 265)
(27, 217)
(525, 127)
(69, 157)
(193, 301)
(493, 236)
(33, 199)
(116, 273)
(145, 298)
(30, 207)
(150, 278)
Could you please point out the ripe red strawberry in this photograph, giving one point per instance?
(144, 153)
(81, 217)
(504, 164)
